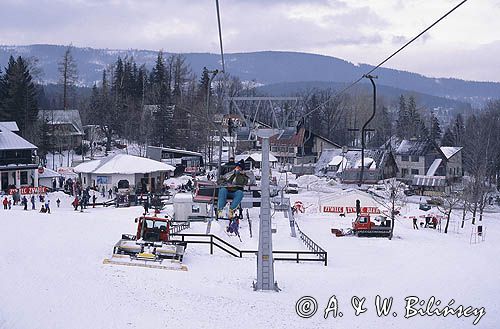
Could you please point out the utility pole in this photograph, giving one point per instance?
(371, 77)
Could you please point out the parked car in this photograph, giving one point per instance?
(409, 192)
(424, 207)
(435, 201)
(292, 188)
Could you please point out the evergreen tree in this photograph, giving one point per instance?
(402, 122)
(435, 129)
(20, 95)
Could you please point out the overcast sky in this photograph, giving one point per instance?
(465, 45)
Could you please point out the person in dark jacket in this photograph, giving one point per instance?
(415, 226)
(232, 185)
(25, 202)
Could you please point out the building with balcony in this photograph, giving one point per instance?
(18, 161)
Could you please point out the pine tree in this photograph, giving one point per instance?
(402, 122)
(19, 102)
(435, 129)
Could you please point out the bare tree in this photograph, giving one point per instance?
(450, 201)
(69, 74)
(391, 199)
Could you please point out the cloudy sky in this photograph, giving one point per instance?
(465, 45)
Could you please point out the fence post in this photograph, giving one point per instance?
(297, 257)
(326, 259)
(211, 245)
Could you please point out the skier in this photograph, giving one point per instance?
(43, 210)
(10, 204)
(47, 206)
(415, 226)
(5, 203)
(93, 200)
(146, 206)
(58, 202)
(103, 192)
(110, 193)
(24, 202)
(75, 203)
(232, 186)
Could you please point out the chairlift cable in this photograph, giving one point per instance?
(220, 36)
(384, 61)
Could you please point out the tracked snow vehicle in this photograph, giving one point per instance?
(150, 247)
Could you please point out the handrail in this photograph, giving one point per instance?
(311, 245)
(225, 246)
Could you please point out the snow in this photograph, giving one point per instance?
(337, 160)
(434, 166)
(450, 151)
(123, 164)
(53, 276)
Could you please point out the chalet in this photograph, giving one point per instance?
(346, 165)
(18, 161)
(300, 146)
(65, 128)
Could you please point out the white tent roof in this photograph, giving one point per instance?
(49, 173)
(123, 164)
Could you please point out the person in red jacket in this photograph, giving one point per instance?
(5, 203)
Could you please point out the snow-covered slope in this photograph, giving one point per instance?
(52, 275)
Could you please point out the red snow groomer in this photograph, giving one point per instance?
(364, 226)
(150, 247)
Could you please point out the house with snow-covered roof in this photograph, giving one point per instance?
(18, 161)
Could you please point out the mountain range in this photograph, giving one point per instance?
(279, 72)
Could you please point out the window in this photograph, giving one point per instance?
(414, 158)
(405, 158)
(414, 171)
(24, 178)
(404, 172)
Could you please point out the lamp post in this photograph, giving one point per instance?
(371, 77)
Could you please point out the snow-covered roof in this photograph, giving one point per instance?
(11, 141)
(258, 157)
(414, 147)
(450, 151)
(123, 164)
(434, 166)
(10, 125)
(49, 173)
(369, 163)
(337, 160)
(421, 180)
(60, 117)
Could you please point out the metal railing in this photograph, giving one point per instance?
(280, 255)
(313, 246)
(178, 226)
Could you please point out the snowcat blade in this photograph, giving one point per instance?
(173, 266)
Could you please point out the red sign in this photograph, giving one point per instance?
(333, 209)
(29, 190)
(351, 210)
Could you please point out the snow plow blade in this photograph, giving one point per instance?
(173, 265)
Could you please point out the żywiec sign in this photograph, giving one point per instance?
(350, 210)
(29, 190)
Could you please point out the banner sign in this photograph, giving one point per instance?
(29, 190)
(350, 210)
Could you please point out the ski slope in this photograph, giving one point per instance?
(52, 274)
